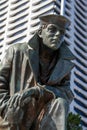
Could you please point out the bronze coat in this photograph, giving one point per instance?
(20, 69)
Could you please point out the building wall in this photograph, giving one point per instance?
(19, 21)
(77, 40)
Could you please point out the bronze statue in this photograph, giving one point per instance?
(34, 79)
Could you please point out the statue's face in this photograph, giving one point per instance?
(52, 36)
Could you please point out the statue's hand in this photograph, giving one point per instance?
(37, 92)
(33, 92)
(48, 95)
(45, 94)
(14, 114)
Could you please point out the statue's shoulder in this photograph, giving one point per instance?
(18, 46)
(32, 43)
(66, 53)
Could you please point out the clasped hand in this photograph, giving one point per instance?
(15, 112)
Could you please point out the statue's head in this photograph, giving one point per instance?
(52, 30)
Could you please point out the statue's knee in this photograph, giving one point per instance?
(62, 102)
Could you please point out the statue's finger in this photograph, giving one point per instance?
(16, 102)
(11, 102)
(27, 94)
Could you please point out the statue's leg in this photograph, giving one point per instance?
(55, 115)
(32, 110)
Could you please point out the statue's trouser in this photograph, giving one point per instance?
(55, 117)
(51, 117)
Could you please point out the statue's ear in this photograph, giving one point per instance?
(39, 31)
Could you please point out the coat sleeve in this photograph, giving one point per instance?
(65, 85)
(5, 70)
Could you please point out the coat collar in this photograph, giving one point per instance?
(33, 55)
(62, 67)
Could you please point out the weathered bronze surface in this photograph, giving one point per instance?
(34, 80)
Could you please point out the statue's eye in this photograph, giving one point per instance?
(52, 29)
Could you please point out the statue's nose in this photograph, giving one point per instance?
(57, 33)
